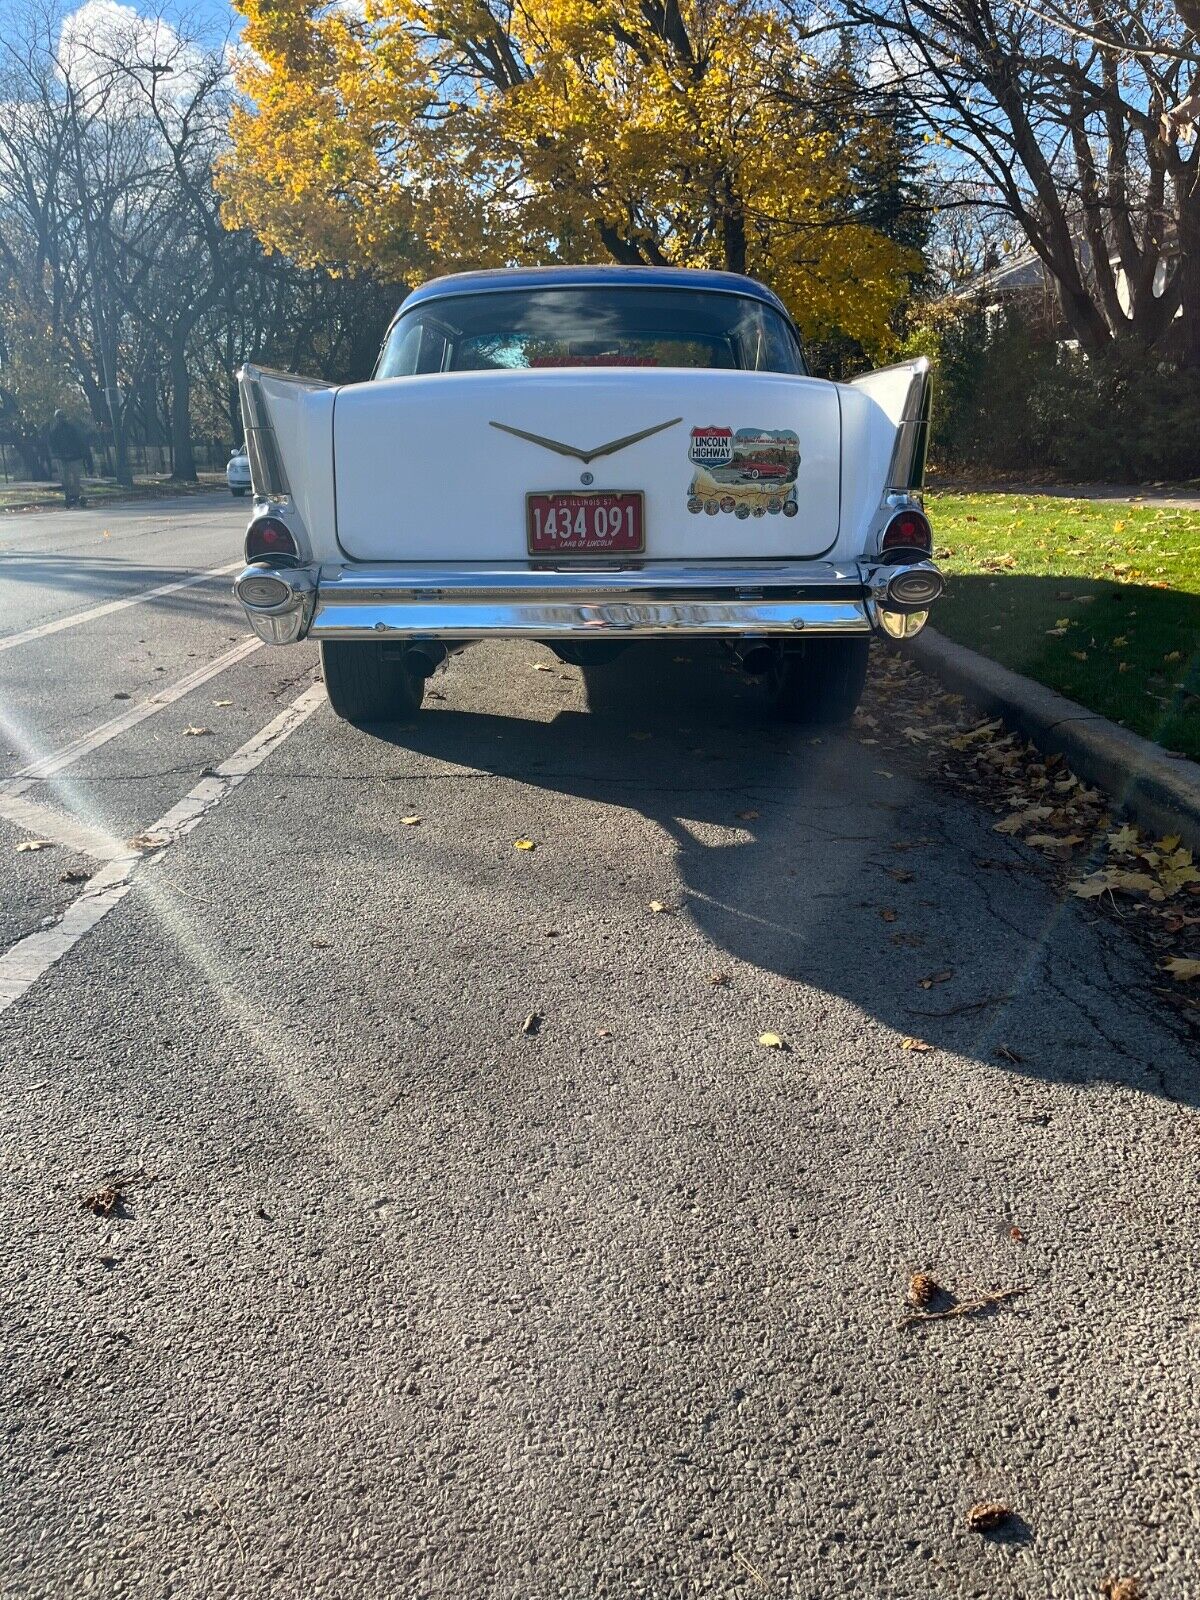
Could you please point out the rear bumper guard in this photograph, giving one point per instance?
(286, 604)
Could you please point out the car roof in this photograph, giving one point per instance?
(583, 277)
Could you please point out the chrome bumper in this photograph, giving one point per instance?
(717, 598)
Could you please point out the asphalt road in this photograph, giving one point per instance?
(403, 1301)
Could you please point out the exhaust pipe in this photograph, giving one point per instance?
(426, 656)
(754, 656)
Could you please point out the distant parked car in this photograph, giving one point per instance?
(237, 473)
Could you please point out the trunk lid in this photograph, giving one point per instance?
(732, 465)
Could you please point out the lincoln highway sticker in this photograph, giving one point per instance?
(751, 472)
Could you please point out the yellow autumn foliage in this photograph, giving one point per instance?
(414, 138)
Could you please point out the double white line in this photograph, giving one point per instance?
(26, 961)
(10, 641)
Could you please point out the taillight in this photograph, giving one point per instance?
(908, 533)
(269, 539)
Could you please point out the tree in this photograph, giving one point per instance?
(408, 136)
(1069, 116)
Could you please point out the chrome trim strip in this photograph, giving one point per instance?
(465, 618)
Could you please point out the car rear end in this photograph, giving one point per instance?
(604, 462)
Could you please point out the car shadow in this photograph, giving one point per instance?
(831, 863)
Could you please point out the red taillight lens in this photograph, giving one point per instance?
(908, 530)
(269, 538)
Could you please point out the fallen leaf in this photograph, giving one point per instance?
(410, 822)
(148, 841)
(320, 944)
(222, 702)
(105, 1201)
(748, 816)
(918, 1045)
(936, 977)
(888, 914)
(34, 844)
(196, 733)
(121, 695)
(524, 844)
(772, 1041)
(923, 1288)
(1110, 879)
(1182, 969)
(541, 666)
(719, 980)
(988, 1515)
(1079, 655)
(901, 874)
(604, 1033)
(1174, 655)
(74, 875)
(532, 1022)
(1007, 1053)
(1017, 1235)
(1122, 1589)
(659, 905)
(1019, 819)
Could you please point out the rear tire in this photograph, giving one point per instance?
(364, 685)
(821, 683)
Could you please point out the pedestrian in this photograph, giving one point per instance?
(67, 447)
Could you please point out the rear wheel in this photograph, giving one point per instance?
(365, 685)
(821, 683)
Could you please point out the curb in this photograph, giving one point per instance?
(1160, 792)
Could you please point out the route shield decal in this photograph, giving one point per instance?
(750, 472)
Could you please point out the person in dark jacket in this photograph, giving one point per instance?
(67, 446)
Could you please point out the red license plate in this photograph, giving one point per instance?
(564, 523)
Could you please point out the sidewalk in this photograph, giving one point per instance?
(25, 495)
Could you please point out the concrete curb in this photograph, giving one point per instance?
(1160, 792)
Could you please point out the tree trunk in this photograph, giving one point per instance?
(182, 457)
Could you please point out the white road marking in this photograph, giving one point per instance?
(26, 961)
(48, 822)
(49, 766)
(11, 640)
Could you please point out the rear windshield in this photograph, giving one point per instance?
(589, 327)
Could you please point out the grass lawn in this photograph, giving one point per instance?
(101, 492)
(1097, 599)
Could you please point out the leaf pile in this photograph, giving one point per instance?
(1151, 886)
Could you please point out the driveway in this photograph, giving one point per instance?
(469, 1242)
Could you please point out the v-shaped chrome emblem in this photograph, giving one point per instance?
(585, 456)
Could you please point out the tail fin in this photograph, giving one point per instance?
(269, 397)
(905, 394)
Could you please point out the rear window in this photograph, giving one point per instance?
(598, 326)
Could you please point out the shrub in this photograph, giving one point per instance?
(1009, 401)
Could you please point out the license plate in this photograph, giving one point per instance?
(567, 523)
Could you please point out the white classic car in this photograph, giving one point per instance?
(585, 457)
(237, 472)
